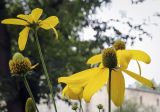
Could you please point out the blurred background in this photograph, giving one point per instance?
(85, 28)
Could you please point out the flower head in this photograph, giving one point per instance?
(109, 58)
(93, 79)
(29, 107)
(119, 45)
(20, 64)
(33, 21)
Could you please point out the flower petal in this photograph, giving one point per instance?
(139, 78)
(14, 21)
(139, 67)
(95, 59)
(55, 31)
(23, 36)
(26, 17)
(95, 84)
(140, 56)
(123, 58)
(117, 87)
(36, 13)
(49, 22)
(72, 92)
(34, 66)
(80, 78)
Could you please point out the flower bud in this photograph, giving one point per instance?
(19, 64)
(100, 106)
(74, 106)
(29, 107)
(119, 45)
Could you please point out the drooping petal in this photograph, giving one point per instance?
(123, 58)
(49, 22)
(117, 87)
(23, 36)
(80, 78)
(95, 83)
(139, 67)
(36, 14)
(56, 33)
(139, 78)
(74, 93)
(95, 59)
(26, 17)
(14, 22)
(34, 66)
(140, 56)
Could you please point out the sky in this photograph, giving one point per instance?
(122, 9)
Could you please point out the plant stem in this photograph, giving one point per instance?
(45, 70)
(120, 109)
(30, 92)
(109, 91)
(99, 110)
(81, 108)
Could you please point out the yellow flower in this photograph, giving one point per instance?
(20, 64)
(72, 92)
(124, 56)
(93, 79)
(32, 21)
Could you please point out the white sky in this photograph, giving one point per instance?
(119, 9)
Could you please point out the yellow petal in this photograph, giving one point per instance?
(49, 22)
(117, 87)
(95, 59)
(123, 58)
(139, 78)
(101, 65)
(95, 84)
(80, 78)
(140, 56)
(34, 66)
(74, 93)
(36, 13)
(23, 36)
(55, 31)
(26, 17)
(139, 67)
(14, 22)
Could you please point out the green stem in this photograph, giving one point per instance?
(30, 92)
(99, 110)
(109, 91)
(81, 108)
(120, 109)
(45, 70)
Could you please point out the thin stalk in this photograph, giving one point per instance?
(109, 91)
(99, 110)
(80, 103)
(45, 70)
(120, 109)
(30, 92)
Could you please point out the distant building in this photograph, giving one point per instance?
(147, 98)
(144, 98)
